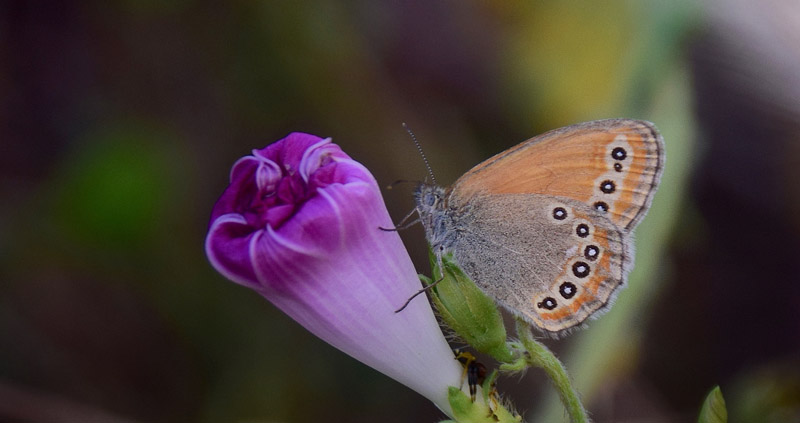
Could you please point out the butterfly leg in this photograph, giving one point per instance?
(408, 301)
(402, 225)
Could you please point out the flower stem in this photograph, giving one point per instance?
(540, 356)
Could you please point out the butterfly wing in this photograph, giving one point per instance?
(614, 165)
(555, 270)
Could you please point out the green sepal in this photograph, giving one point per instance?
(713, 410)
(466, 411)
(468, 311)
(488, 385)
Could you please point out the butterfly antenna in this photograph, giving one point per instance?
(421, 153)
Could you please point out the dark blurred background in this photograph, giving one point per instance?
(119, 122)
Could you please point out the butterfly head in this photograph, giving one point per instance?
(428, 196)
(433, 213)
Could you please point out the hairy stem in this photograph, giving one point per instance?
(540, 356)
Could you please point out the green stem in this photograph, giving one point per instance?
(541, 357)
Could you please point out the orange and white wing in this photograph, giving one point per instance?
(613, 165)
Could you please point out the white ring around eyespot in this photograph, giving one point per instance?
(582, 252)
(552, 206)
(619, 141)
(575, 230)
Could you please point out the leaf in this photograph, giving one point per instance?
(713, 410)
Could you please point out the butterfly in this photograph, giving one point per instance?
(545, 227)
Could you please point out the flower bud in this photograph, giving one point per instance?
(300, 224)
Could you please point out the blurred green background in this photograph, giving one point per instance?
(119, 122)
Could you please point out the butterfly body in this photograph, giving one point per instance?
(545, 227)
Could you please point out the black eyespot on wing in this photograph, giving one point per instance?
(559, 213)
(582, 230)
(567, 290)
(618, 167)
(619, 153)
(591, 252)
(601, 206)
(548, 303)
(608, 186)
(581, 269)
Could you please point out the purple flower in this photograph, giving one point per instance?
(299, 224)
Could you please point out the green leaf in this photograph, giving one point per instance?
(713, 410)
